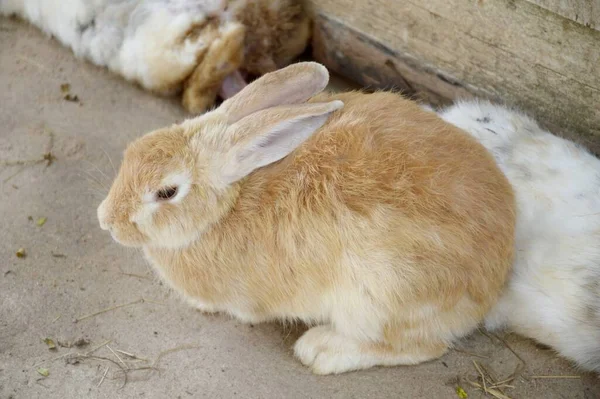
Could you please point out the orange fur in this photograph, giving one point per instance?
(223, 57)
(390, 227)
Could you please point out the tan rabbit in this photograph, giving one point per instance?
(383, 226)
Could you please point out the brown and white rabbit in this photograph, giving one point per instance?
(198, 46)
(387, 228)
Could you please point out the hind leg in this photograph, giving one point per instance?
(326, 351)
(223, 58)
(363, 334)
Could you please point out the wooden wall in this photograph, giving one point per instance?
(585, 12)
(521, 52)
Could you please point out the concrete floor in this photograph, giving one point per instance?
(73, 269)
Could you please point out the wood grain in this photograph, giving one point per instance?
(507, 50)
(585, 12)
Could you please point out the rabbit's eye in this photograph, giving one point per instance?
(166, 193)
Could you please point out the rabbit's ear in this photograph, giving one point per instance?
(267, 136)
(291, 85)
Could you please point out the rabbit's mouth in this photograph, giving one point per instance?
(130, 237)
(132, 241)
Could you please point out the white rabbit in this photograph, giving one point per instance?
(554, 293)
(169, 45)
(124, 35)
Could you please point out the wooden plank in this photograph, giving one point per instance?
(585, 12)
(506, 50)
(375, 66)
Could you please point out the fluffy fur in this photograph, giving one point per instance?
(170, 45)
(388, 228)
(554, 292)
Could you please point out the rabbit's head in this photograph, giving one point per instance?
(174, 183)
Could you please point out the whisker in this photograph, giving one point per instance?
(96, 192)
(92, 179)
(110, 160)
(98, 169)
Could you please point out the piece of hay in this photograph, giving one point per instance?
(118, 357)
(41, 221)
(77, 320)
(104, 376)
(556, 377)
(78, 343)
(131, 355)
(494, 392)
(489, 384)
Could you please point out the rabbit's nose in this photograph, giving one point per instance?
(102, 217)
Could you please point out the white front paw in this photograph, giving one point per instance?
(327, 352)
(202, 306)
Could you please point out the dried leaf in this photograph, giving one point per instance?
(462, 394)
(72, 98)
(81, 342)
(43, 372)
(50, 343)
(49, 158)
(41, 221)
(65, 88)
(21, 253)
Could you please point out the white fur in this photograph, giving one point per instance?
(148, 207)
(102, 215)
(329, 352)
(554, 293)
(141, 40)
(183, 182)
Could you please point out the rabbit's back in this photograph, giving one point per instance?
(383, 171)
